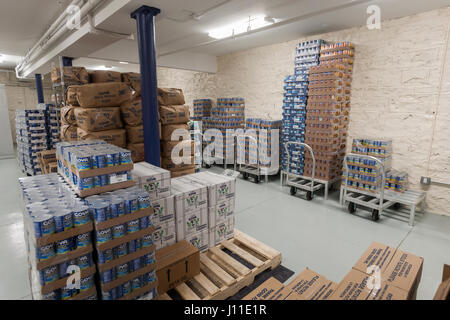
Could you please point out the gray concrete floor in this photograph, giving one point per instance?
(318, 234)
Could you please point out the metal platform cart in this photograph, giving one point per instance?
(380, 200)
(308, 184)
(248, 170)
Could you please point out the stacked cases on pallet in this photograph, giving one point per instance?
(31, 137)
(156, 181)
(202, 109)
(294, 104)
(52, 123)
(58, 235)
(328, 110)
(123, 240)
(265, 136)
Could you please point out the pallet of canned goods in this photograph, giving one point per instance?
(202, 108)
(123, 239)
(93, 167)
(58, 233)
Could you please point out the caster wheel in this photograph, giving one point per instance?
(396, 206)
(351, 207)
(293, 191)
(245, 176)
(309, 195)
(207, 166)
(256, 180)
(375, 215)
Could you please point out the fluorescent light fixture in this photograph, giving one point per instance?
(252, 23)
(123, 62)
(102, 68)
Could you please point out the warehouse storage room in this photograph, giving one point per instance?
(172, 151)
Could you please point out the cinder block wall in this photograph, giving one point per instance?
(401, 90)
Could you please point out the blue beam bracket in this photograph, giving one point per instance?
(39, 90)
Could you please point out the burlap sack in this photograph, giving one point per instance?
(166, 130)
(168, 164)
(98, 119)
(173, 114)
(110, 94)
(72, 75)
(170, 97)
(132, 112)
(135, 134)
(68, 115)
(69, 133)
(168, 146)
(133, 79)
(137, 152)
(71, 96)
(101, 76)
(116, 137)
(182, 172)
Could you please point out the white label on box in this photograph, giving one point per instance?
(191, 222)
(116, 178)
(164, 234)
(163, 210)
(222, 232)
(200, 240)
(221, 211)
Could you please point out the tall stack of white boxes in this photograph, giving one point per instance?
(198, 208)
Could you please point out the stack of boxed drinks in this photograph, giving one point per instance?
(156, 181)
(202, 109)
(52, 121)
(328, 110)
(123, 239)
(294, 105)
(263, 137)
(58, 236)
(93, 167)
(31, 137)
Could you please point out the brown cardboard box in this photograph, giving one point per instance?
(167, 147)
(174, 114)
(266, 290)
(71, 96)
(132, 112)
(69, 133)
(110, 94)
(135, 134)
(160, 129)
(68, 116)
(101, 76)
(116, 137)
(443, 292)
(137, 152)
(404, 272)
(310, 285)
(170, 97)
(133, 80)
(168, 164)
(176, 264)
(377, 254)
(352, 287)
(167, 130)
(98, 119)
(388, 292)
(72, 75)
(182, 172)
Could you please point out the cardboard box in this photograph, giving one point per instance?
(377, 254)
(165, 234)
(221, 211)
(352, 287)
(182, 172)
(155, 180)
(174, 114)
(164, 210)
(111, 94)
(221, 231)
(176, 264)
(168, 146)
(266, 290)
(189, 196)
(132, 112)
(220, 187)
(100, 76)
(443, 292)
(190, 223)
(170, 97)
(168, 164)
(168, 129)
(137, 151)
(98, 119)
(116, 137)
(388, 292)
(135, 134)
(68, 115)
(69, 133)
(200, 240)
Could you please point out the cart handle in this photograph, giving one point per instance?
(236, 136)
(310, 150)
(383, 174)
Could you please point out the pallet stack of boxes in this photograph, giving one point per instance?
(156, 181)
(58, 234)
(52, 123)
(201, 109)
(328, 110)
(294, 105)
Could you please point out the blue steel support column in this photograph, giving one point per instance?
(67, 61)
(145, 19)
(40, 92)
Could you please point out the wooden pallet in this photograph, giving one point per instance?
(221, 276)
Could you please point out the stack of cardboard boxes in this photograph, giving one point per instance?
(47, 161)
(201, 109)
(382, 273)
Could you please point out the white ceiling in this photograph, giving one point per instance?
(177, 32)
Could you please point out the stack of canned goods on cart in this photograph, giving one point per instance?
(31, 137)
(124, 246)
(58, 233)
(93, 167)
(202, 109)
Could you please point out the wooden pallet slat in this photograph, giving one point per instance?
(186, 293)
(256, 245)
(242, 253)
(207, 284)
(218, 271)
(229, 261)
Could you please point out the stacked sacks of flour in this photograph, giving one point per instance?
(174, 116)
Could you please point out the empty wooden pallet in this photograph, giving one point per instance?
(221, 276)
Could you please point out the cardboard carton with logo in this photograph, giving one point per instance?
(377, 254)
(189, 196)
(190, 223)
(98, 119)
(221, 211)
(135, 134)
(170, 97)
(164, 210)
(200, 240)
(221, 231)
(116, 137)
(174, 114)
(165, 234)
(155, 180)
(132, 112)
(266, 290)
(176, 264)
